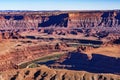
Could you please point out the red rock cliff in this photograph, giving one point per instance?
(23, 20)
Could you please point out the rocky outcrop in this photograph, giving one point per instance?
(84, 48)
(29, 20)
(61, 46)
(10, 35)
(45, 73)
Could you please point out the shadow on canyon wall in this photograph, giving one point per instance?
(56, 20)
(98, 63)
(17, 17)
(117, 41)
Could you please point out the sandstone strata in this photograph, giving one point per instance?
(28, 20)
(16, 56)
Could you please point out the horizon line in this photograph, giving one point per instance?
(66, 10)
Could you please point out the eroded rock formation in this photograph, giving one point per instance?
(45, 73)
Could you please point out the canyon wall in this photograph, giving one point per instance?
(70, 19)
(12, 59)
(94, 19)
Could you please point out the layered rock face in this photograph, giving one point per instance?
(31, 20)
(17, 56)
(94, 19)
(18, 20)
(28, 20)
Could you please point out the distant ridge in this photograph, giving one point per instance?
(56, 10)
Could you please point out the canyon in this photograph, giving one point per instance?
(64, 45)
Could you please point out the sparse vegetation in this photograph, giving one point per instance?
(33, 65)
(54, 56)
